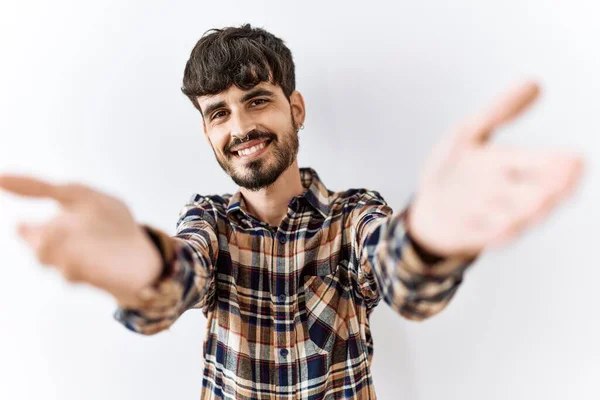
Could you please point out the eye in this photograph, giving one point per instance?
(218, 114)
(258, 102)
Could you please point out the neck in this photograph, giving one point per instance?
(270, 204)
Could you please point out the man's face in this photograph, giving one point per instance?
(253, 133)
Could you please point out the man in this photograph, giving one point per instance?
(286, 271)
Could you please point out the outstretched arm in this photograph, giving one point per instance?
(187, 279)
(392, 266)
(471, 197)
(95, 240)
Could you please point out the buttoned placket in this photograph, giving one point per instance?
(279, 297)
(284, 345)
(282, 298)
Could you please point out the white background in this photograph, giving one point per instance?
(90, 92)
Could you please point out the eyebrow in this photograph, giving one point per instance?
(256, 93)
(212, 107)
(250, 95)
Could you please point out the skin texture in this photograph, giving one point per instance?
(471, 195)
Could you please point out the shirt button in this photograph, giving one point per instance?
(283, 352)
(282, 239)
(281, 298)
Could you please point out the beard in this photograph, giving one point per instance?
(262, 172)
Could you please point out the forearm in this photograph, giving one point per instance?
(412, 281)
(152, 261)
(186, 268)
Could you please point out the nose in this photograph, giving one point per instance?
(241, 124)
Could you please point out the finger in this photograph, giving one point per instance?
(523, 164)
(523, 204)
(511, 208)
(517, 202)
(565, 189)
(70, 265)
(504, 109)
(31, 234)
(33, 187)
(45, 239)
(515, 215)
(554, 178)
(27, 186)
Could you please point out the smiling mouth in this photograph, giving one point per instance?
(252, 151)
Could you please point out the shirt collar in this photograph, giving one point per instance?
(317, 195)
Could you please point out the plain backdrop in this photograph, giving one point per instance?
(90, 92)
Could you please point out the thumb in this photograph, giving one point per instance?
(504, 109)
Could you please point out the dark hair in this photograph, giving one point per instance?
(243, 56)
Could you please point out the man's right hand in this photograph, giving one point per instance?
(94, 239)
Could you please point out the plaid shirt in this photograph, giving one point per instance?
(288, 307)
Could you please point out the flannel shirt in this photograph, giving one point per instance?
(288, 307)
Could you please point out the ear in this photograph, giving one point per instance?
(298, 108)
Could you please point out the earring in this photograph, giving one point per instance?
(301, 127)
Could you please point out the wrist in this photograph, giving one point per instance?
(426, 253)
(144, 275)
(156, 257)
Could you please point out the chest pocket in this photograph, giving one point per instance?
(326, 302)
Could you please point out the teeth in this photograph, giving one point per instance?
(253, 149)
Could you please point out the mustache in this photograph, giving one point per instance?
(252, 135)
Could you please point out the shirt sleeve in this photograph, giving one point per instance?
(187, 281)
(392, 267)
